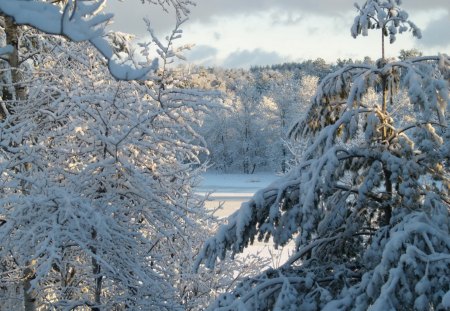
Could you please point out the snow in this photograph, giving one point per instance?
(44, 16)
(80, 22)
(233, 186)
(446, 300)
(231, 190)
(6, 50)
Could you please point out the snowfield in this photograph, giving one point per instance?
(234, 186)
(238, 183)
(230, 191)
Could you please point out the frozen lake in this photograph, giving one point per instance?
(231, 190)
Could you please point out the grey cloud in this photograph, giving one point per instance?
(313, 30)
(200, 53)
(288, 19)
(129, 17)
(246, 58)
(437, 33)
(208, 10)
(426, 5)
(129, 14)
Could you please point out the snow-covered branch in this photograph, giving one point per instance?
(368, 203)
(78, 21)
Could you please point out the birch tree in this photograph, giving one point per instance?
(96, 206)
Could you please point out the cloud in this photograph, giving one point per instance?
(246, 59)
(208, 10)
(290, 11)
(436, 33)
(129, 14)
(426, 5)
(238, 33)
(129, 17)
(201, 53)
(286, 19)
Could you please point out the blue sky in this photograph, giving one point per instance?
(237, 33)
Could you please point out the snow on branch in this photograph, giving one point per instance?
(77, 21)
(368, 204)
(5, 50)
(384, 15)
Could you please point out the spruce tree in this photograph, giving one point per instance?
(368, 204)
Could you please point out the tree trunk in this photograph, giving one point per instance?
(96, 269)
(12, 38)
(12, 32)
(246, 152)
(29, 300)
(386, 172)
(224, 164)
(283, 147)
(283, 161)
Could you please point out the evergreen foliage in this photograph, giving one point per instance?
(368, 204)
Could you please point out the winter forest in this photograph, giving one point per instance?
(104, 142)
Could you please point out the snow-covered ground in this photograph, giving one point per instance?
(231, 190)
(235, 183)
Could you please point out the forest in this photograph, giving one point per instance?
(103, 142)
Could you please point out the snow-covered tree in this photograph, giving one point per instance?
(97, 209)
(385, 15)
(307, 88)
(280, 101)
(411, 53)
(96, 204)
(291, 99)
(83, 20)
(368, 204)
(221, 138)
(264, 100)
(237, 133)
(76, 198)
(249, 122)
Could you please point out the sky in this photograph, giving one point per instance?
(244, 33)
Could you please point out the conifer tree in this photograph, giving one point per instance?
(368, 204)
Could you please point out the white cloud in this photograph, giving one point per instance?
(287, 30)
